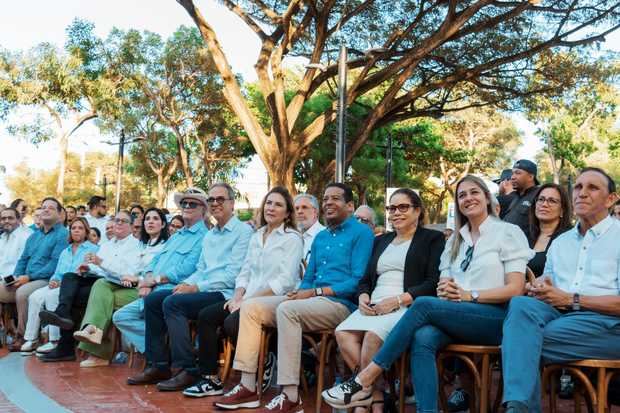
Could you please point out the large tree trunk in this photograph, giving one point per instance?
(63, 146)
(184, 159)
(281, 171)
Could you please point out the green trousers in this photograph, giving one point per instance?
(105, 298)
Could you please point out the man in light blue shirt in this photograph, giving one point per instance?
(573, 309)
(172, 265)
(168, 311)
(36, 264)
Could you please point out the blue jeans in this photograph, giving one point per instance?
(429, 325)
(535, 331)
(130, 322)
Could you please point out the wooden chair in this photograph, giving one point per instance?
(400, 370)
(322, 342)
(605, 370)
(228, 350)
(265, 336)
(482, 376)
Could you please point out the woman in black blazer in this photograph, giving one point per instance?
(404, 265)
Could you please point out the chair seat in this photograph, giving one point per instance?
(609, 364)
(471, 348)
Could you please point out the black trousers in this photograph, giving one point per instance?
(209, 320)
(73, 298)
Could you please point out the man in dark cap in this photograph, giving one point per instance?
(505, 191)
(525, 183)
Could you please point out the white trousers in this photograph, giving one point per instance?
(42, 298)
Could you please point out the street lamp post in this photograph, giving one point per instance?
(342, 109)
(119, 171)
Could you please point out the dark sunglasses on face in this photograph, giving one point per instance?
(189, 205)
(218, 200)
(401, 208)
(469, 254)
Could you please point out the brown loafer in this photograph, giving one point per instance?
(150, 375)
(180, 381)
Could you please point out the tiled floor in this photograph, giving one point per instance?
(104, 390)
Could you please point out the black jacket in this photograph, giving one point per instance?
(421, 264)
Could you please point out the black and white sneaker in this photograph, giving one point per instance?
(268, 373)
(348, 394)
(204, 388)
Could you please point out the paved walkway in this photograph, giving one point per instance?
(28, 385)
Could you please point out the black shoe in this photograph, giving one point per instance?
(270, 368)
(205, 387)
(458, 401)
(51, 318)
(181, 381)
(348, 394)
(58, 355)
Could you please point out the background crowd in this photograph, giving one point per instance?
(531, 268)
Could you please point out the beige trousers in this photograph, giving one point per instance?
(291, 317)
(19, 296)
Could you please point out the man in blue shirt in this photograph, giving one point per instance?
(573, 309)
(36, 264)
(338, 259)
(168, 311)
(171, 266)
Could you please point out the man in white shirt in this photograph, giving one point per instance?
(307, 214)
(12, 240)
(114, 259)
(96, 216)
(573, 310)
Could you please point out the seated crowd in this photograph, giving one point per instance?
(514, 272)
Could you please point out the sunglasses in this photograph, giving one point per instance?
(401, 208)
(190, 205)
(218, 200)
(469, 254)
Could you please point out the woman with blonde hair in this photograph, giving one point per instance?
(482, 268)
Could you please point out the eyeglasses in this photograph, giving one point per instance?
(362, 220)
(551, 201)
(401, 208)
(469, 254)
(190, 205)
(121, 221)
(218, 200)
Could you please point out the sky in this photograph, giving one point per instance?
(26, 23)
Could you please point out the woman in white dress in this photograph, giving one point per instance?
(404, 265)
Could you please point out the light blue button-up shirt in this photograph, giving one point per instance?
(178, 259)
(338, 260)
(69, 262)
(587, 264)
(223, 252)
(40, 256)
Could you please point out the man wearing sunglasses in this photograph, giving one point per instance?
(170, 267)
(366, 215)
(168, 311)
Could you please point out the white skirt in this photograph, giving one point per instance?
(381, 325)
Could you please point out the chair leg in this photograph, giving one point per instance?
(485, 385)
(228, 350)
(264, 343)
(401, 389)
(443, 398)
(321, 374)
(601, 393)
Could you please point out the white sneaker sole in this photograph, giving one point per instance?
(247, 405)
(27, 353)
(206, 394)
(339, 404)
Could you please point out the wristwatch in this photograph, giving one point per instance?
(318, 291)
(576, 303)
(474, 296)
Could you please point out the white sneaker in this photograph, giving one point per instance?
(46, 348)
(28, 347)
(347, 395)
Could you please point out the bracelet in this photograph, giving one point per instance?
(400, 302)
